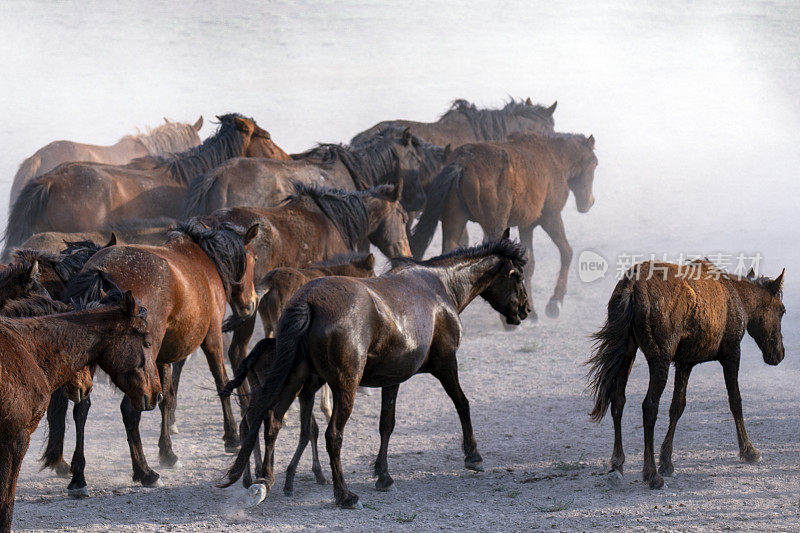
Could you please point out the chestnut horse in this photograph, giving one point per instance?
(681, 314)
(523, 182)
(83, 196)
(465, 123)
(378, 332)
(185, 284)
(40, 354)
(171, 137)
(383, 158)
(133, 231)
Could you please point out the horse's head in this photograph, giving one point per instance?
(257, 141)
(764, 322)
(243, 299)
(20, 279)
(128, 356)
(387, 220)
(506, 290)
(581, 175)
(394, 156)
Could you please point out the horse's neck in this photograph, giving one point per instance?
(129, 147)
(464, 281)
(749, 293)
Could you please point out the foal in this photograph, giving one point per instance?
(685, 315)
(40, 354)
(378, 332)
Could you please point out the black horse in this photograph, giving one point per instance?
(379, 332)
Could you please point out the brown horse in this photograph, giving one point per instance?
(83, 196)
(464, 123)
(383, 158)
(523, 182)
(378, 332)
(681, 314)
(185, 285)
(40, 354)
(134, 231)
(168, 138)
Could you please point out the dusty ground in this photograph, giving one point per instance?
(545, 461)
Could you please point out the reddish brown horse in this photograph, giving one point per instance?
(83, 196)
(185, 284)
(523, 182)
(685, 315)
(41, 354)
(465, 123)
(169, 138)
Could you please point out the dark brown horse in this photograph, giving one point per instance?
(260, 182)
(185, 285)
(523, 182)
(169, 138)
(134, 231)
(40, 354)
(378, 332)
(83, 196)
(685, 315)
(465, 123)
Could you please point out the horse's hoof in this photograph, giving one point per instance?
(751, 456)
(351, 502)
(153, 484)
(319, 478)
(553, 308)
(173, 429)
(79, 492)
(477, 466)
(288, 492)
(666, 469)
(232, 447)
(614, 479)
(256, 494)
(656, 482)
(384, 487)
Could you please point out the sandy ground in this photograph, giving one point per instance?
(545, 460)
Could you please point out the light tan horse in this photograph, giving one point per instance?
(170, 137)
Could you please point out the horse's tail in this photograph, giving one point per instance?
(292, 348)
(28, 209)
(614, 348)
(264, 346)
(28, 170)
(436, 198)
(56, 425)
(196, 203)
(88, 286)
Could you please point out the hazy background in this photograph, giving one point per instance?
(694, 105)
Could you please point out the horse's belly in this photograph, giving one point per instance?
(383, 370)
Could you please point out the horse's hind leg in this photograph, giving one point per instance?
(307, 427)
(166, 455)
(554, 226)
(212, 348)
(386, 426)
(177, 370)
(730, 368)
(454, 223)
(53, 455)
(665, 467)
(617, 407)
(659, 372)
(77, 486)
(344, 396)
(447, 374)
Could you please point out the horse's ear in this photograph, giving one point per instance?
(448, 150)
(363, 185)
(407, 136)
(369, 261)
(199, 124)
(552, 108)
(218, 118)
(129, 306)
(166, 121)
(33, 272)
(252, 233)
(776, 284)
(751, 273)
(397, 192)
(507, 234)
(590, 141)
(112, 241)
(528, 101)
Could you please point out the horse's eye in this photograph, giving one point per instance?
(147, 344)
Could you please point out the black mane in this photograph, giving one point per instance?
(344, 208)
(65, 264)
(505, 248)
(490, 124)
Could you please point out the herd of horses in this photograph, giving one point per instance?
(129, 257)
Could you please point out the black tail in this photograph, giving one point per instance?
(436, 198)
(194, 204)
(26, 211)
(612, 348)
(292, 348)
(88, 286)
(56, 425)
(264, 346)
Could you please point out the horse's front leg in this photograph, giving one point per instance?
(177, 370)
(77, 486)
(526, 239)
(554, 226)
(308, 431)
(141, 471)
(11, 453)
(447, 374)
(730, 368)
(166, 455)
(236, 353)
(213, 350)
(386, 426)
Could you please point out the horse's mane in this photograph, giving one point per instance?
(431, 155)
(65, 264)
(344, 208)
(223, 244)
(167, 138)
(226, 143)
(504, 248)
(36, 305)
(490, 124)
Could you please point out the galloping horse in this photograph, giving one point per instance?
(378, 332)
(681, 314)
(185, 284)
(252, 182)
(40, 354)
(84, 196)
(464, 123)
(523, 182)
(168, 138)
